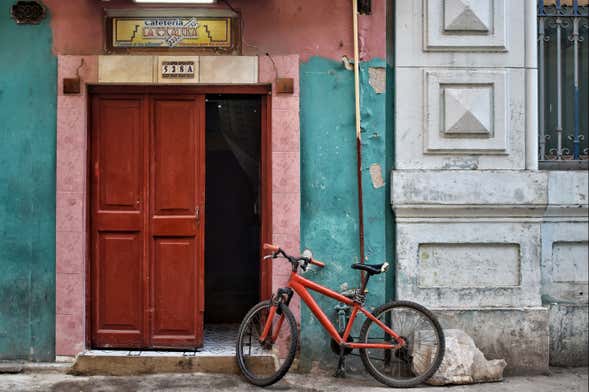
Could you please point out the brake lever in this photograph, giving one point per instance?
(304, 265)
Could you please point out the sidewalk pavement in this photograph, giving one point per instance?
(568, 380)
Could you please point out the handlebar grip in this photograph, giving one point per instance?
(271, 247)
(317, 263)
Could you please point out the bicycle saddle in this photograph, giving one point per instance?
(372, 269)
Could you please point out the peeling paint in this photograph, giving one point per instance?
(377, 79)
(376, 176)
(329, 216)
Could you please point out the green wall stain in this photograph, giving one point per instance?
(27, 190)
(329, 199)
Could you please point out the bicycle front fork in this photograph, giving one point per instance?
(282, 296)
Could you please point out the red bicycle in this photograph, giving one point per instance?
(401, 343)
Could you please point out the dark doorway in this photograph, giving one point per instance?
(233, 213)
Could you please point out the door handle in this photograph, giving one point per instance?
(197, 213)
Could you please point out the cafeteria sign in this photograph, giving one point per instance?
(171, 32)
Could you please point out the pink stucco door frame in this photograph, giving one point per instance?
(71, 190)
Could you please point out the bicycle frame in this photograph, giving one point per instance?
(300, 286)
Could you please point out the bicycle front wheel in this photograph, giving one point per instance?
(413, 363)
(264, 363)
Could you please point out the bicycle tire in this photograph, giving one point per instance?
(408, 383)
(288, 360)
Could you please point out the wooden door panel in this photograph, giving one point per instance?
(177, 194)
(174, 295)
(120, 181)
(175, 156)
(119, 292)
(118, 221)
(174, 225)
(109, 220)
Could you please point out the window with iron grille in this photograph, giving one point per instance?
(563, 91)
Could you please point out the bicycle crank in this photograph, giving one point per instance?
(335, 347)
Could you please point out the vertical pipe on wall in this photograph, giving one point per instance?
(358, 133)
(356, 70)
(531, 70)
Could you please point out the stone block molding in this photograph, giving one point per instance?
(520, 336)
(72, 150)
(423, 194)
(466, 112)
(460, 118)
(462, 33)
(465, 25)
(442, 265)
(469, 264)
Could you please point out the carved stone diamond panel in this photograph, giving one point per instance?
(466, 112)
(457, 25)
(467, 15)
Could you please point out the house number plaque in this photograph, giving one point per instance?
(177, 69)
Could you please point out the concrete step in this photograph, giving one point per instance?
(126, 365)
(13, 367)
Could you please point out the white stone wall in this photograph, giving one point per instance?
(564, 264)
(468, 197)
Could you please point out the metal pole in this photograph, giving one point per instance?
(541, 89)
(558, 85)
(358, 136)
(575, 39)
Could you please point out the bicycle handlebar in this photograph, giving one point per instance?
(317, 263)
(276, 250)
(271, 247)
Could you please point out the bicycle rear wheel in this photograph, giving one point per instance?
(264, 363)
(413, 363)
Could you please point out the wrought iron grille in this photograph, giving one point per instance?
(563, 91)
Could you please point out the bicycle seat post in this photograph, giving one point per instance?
(364, 283)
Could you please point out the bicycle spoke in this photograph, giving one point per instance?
(407, 363)
(257, 359)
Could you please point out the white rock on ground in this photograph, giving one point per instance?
(463, 362)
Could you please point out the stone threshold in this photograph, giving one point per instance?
(128, 363)
(157, 353)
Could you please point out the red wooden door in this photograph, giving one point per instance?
(147, 195)
(177, 198)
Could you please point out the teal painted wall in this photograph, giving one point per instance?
(329, 198)
(28, 72)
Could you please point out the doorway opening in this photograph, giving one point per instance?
(233, 209)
